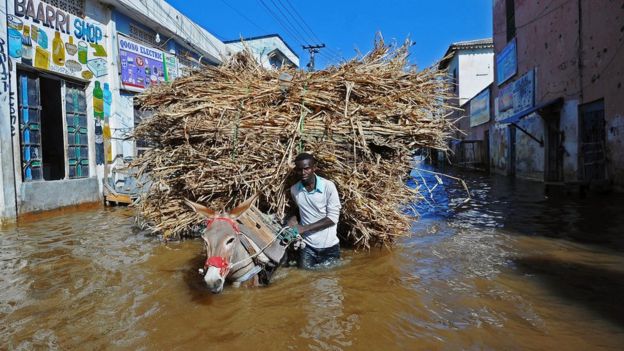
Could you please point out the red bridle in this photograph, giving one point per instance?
(219, 261)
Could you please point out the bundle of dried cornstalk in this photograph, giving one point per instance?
(227, 132)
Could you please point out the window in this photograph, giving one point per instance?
(44, 154)
(75, 7)
(30, 126)
(455, 81)
(510, 8)
(77, 137)
(144, 35)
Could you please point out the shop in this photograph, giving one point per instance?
(63, 102)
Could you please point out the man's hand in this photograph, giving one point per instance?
(292, 222)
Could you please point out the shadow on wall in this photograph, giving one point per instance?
(596, 288)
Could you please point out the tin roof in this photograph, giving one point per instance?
(485, 43)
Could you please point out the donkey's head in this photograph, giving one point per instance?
(222, 239)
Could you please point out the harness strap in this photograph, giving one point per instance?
(247, 245)
(249, 274)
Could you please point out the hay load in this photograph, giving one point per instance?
(226, 132)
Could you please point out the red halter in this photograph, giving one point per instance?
(232, 222)
(219, 261)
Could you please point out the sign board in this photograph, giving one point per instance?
(47, 38)
(480, 108)
(524, 92)
(506, 63)
(171, 67)
(517, 96)
(141, 66)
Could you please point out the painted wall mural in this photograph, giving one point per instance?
(143, 66)
(42, 36)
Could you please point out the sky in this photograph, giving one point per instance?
(346, 27)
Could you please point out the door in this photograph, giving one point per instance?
(554, 150)
(592, 142)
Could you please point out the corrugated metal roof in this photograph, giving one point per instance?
(484, 43)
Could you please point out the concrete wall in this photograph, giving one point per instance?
(603, 74)
(476, 71)
(49, 195)
(165, 19)
(8, 106)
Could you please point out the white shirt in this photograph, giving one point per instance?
(315, 205)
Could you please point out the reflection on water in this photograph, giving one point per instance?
(512, 269)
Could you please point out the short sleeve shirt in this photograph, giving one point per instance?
(321, 202)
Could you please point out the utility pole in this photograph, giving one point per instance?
(312, 49)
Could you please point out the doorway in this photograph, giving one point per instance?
(52, 136)
(592, 153)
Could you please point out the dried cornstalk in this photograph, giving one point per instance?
(226, 132)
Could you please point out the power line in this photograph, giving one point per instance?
(332, 51)
(244, 17)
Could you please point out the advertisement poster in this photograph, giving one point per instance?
(480, 108)
(506, 63)
(140, 65)
(523, 92)
(171, 67)
(47, 38)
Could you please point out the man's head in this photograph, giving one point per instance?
(305, 167)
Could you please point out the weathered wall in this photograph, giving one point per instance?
(603, 74)
(529, 153)
(8, 107)
(43, 196)
(476, 71)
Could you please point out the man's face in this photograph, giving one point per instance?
(305, 170)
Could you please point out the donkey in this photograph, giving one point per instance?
(227, 257)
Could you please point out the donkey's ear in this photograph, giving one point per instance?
(240, 209)
(202, 210)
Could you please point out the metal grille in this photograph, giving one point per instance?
(75, 7)
(77, 133)
(143, 35)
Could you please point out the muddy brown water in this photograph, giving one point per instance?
(511, 270)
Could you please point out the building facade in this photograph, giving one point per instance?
(70, 72)
(470, 65)
(557, 100)
(270, 50)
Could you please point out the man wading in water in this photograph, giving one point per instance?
(319, 210)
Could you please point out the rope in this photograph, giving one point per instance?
(278, 236)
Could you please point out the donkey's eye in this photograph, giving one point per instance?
(230, 240)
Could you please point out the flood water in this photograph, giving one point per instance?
(512, 269)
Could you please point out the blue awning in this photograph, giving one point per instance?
(520, 115)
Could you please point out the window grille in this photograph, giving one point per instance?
(75, 7)
(146, 36)
(77, 139)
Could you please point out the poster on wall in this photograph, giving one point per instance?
(140, 65)
(171, 67)
(50, 39)
(480, 108)
(506, 63)
(523, 92)
(517, 96)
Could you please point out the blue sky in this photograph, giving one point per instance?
(345, 26)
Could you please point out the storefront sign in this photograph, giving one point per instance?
(47, 38)
(141, 66)
(480, 108)
(506, 63)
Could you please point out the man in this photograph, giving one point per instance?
(319, 209)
